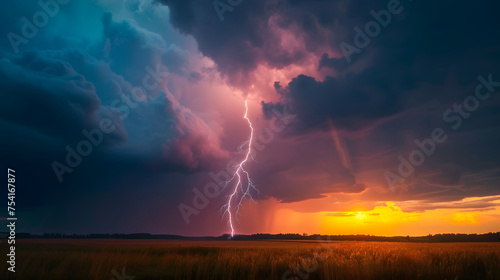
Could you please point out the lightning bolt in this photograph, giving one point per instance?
(238, 174)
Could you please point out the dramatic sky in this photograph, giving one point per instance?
(370, 117)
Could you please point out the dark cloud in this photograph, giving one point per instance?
(351, 102)
(247, 36)
(339, 63)
(291, 171)
(412, 50)
(49, 96)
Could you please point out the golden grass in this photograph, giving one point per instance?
(260, 260)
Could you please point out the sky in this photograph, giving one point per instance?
(368, 117)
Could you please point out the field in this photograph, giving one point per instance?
(89, 259)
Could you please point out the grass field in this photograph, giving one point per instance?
(89, 259)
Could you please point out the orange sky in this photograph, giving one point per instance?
(387, 219)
